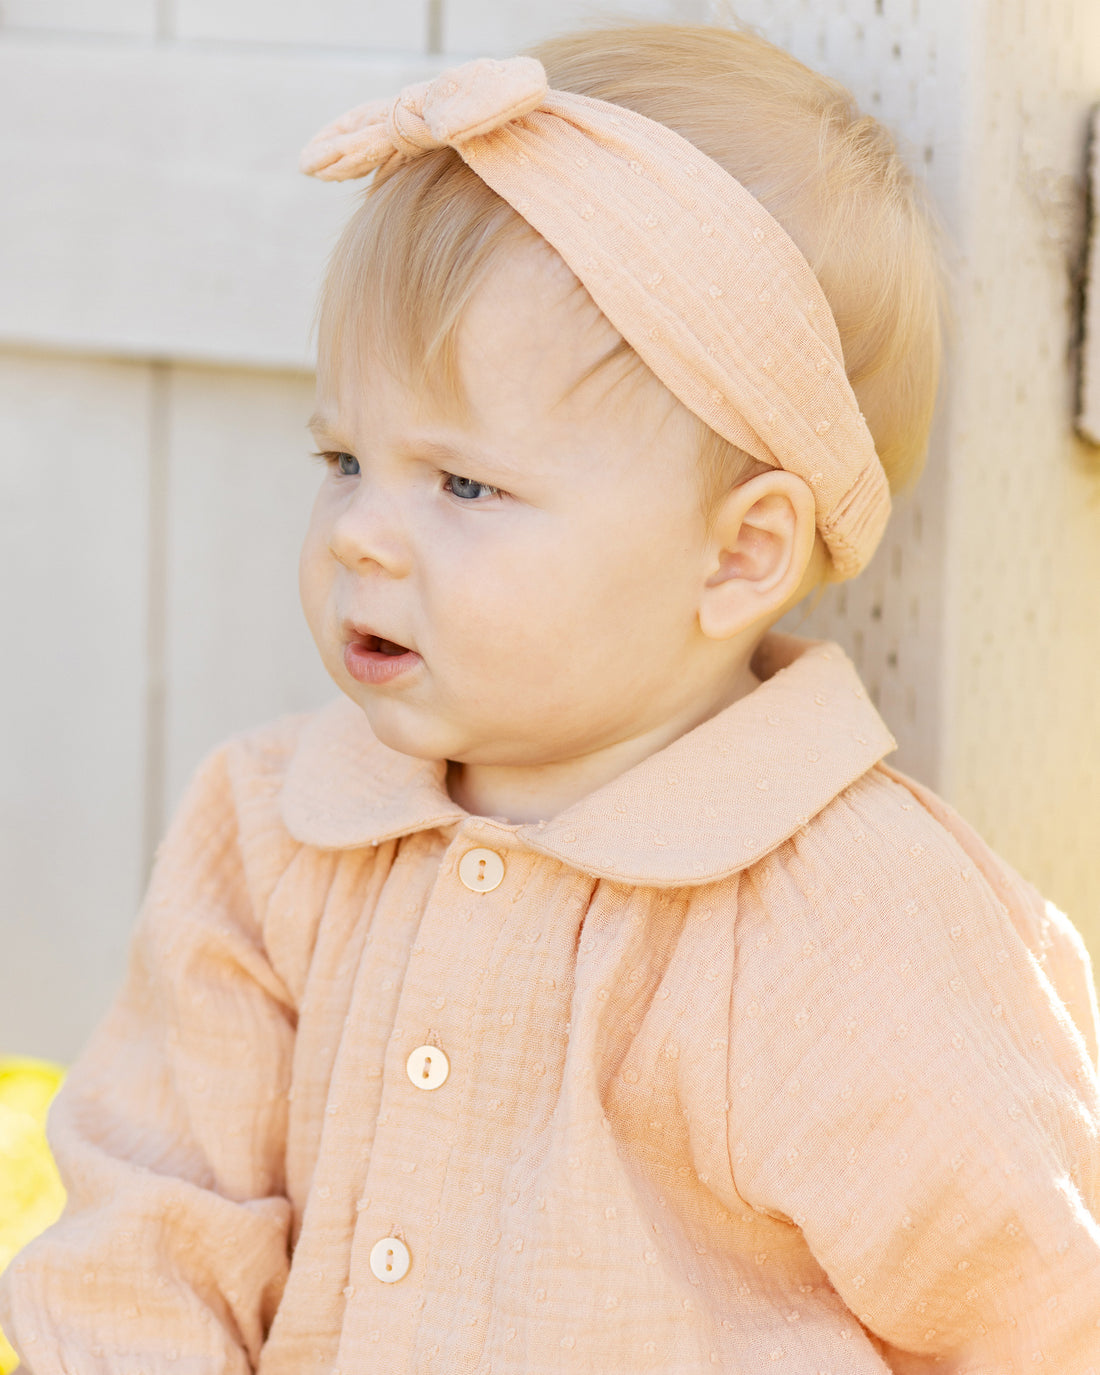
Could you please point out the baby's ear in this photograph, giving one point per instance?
(762, 545)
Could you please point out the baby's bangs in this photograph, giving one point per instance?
(405, 268)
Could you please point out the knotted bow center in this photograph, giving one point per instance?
(460, 104)
(405, 124)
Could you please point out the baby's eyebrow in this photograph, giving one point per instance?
(320, 426)
(438, 450)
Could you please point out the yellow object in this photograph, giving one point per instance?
(31, 1193)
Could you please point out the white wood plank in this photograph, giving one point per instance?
(73, 502)
(373, 25)
(241, 485)
(135, 18)
(159, 209)
(500, 27)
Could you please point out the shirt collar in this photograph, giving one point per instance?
(707, 805)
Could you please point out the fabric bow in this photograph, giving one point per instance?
(460, 104)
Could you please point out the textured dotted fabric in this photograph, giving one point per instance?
(759, 1060)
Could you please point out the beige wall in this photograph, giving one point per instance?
(158, 260)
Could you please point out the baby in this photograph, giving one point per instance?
(580, 991)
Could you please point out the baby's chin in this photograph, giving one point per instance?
(401, 726)
(393, 726)
(405, 727)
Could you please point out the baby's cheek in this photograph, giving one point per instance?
(507, 612)
(313, 579)
(533, 619)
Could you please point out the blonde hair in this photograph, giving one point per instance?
(423, 238)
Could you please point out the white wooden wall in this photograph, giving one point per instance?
(159, 256)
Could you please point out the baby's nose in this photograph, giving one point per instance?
(371, 530)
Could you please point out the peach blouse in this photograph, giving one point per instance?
(755, 1059)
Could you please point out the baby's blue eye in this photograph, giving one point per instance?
(347, 465)
(467, 488)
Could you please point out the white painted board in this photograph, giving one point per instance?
(134, 18)
(501, 27)
(241, 485)
(375, 25)
(73, 500)
(160, 210)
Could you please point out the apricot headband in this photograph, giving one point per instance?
(689, 267)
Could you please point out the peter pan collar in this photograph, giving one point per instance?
(709, 804)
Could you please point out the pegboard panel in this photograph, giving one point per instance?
(974, 626)
(889, 53)
(890, 619)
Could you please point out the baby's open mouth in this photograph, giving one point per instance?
(380, 646)
(372, 659)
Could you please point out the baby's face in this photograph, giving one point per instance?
(541, 557)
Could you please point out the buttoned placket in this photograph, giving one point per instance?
(425, 1082)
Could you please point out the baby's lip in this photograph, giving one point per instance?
(357, 630)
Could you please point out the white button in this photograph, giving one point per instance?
(427, 1067)
(481, 870)
(389, 1260)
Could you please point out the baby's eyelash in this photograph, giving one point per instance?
(331, 458)
(457, 477)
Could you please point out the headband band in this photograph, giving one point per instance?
(702, 282)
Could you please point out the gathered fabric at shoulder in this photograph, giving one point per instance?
(931, 1109)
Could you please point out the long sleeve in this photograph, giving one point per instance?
(169, 1133)
(930, 1119)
